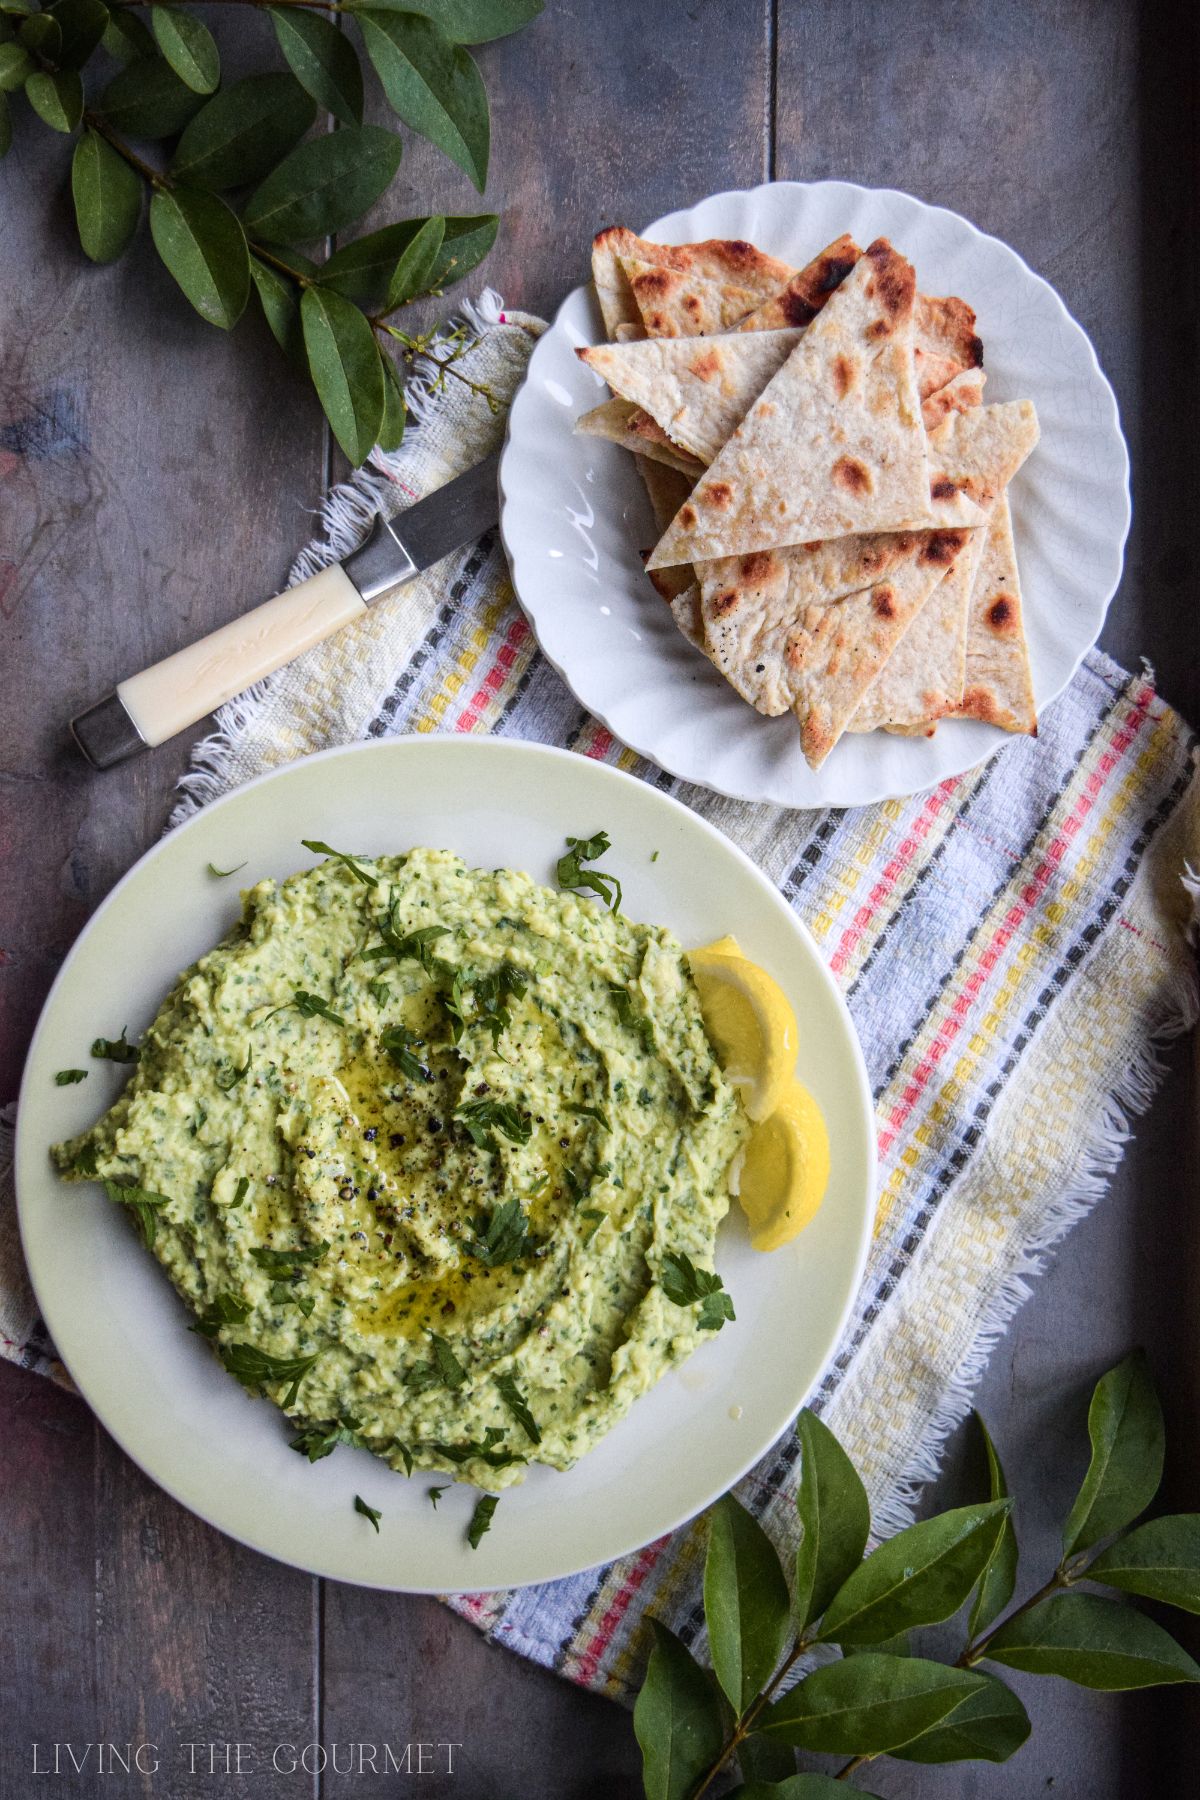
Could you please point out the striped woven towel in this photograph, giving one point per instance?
(1011, 946)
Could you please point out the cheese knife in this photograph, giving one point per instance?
(147, 709)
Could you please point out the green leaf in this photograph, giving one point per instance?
(188, 46)
(411, 274)
(203, 245)
(83, 24)
(432, 84)
(57, 98)
(764, 1759)
(322, 59)
(1125, 1425)
(363, 270)
(503, 1236)
(686, 1285)
(467, 21)
(253, 1367)
(42, 34)
(572, 874)
(481, 1518)
(70, 1077)
(118, 1050)
(324, 185)
(16, 66)
(797, 1787)
(920, 1576)
(518, 1406)
(347, 861)
(1093, 1641)
(676, 1720)
(281, 306)
(346, 367)
(107, 195)
(866, 1705)
(999, 1578)
(242, 132)
(466, 242)
(746, 1604)
(835, 1518)
(989, 1725)
(141, 1202)
(125, 37)
(391, 432)
(1160, 1560)
(368, 1512)
(146, 99)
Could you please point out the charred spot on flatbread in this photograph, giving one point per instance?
(757, 565)
(707, 366)
(716, 493)
(852, 475)
(1003, 615)
(844, 371)
(883, 599)
(942, 547)
(688, 516)
(893, 285)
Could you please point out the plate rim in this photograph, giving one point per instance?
(25, 1149)
(884, 790)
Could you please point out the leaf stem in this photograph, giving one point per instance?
(156, 177)
(745, 1725)
(977, 1651)
(848, 1769)
(277, 262)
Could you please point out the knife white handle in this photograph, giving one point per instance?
(196, 680)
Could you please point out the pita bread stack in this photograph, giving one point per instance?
(829, 486)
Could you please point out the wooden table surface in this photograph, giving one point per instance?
(156, 476)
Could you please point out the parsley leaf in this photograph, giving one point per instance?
(223, 874)
(317, 1441)
(118, 1050)
(85, 1162)
(240, 1192)
(435, 1494)
(396, 1040)
(355, 868)
(311, 1006)
(380, 992)
(577, 1188)
(368, 1512)
(491, 1450)
(448, 1365)
(142, 1203)
(481, 1518)
(589, 1112)
(490, 993)
(401, 945)
(68, 1077)
(406, 1453)
(572, 874)
(226, 1309)
(288, 1262)
(253, 1366)
(686, 1285)
(518, 1406)
(503, 1238)
(636, 1022)
(232, 1076)
(479, 1116)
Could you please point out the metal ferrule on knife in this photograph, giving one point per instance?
(147, 709)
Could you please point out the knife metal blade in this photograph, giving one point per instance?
(149, 708)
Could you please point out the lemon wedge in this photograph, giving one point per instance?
(784, 1170)
(750, 1022)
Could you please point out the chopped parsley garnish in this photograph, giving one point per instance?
(240, 1192)
(654, 858)
(226, 1309)
(311, 1006)
(317, 1441)
(85, 1162)
(288, 1262)
(572, 874)
(518, 1406)
(686, 1285)
(435, 1494)
(380, 992)
(503, 1238)
(479, 1117)
(200, 1120)
(232, 1076)
(68, 1077)
(481, 1518)
(490, 993)
(401, 945)
(223, 874)
(491, 1450)
(636, 1021)
(456, 1018)
(398, 1040)
(577, 1188)
(355, 868)
(118, 1050)
(142, 1203)
(253, 1367)
(368, 1512)
(589, 1112)
(448, 1365)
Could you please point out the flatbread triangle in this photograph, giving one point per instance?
(833, 445)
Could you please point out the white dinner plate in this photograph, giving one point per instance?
(575, 518)
(158, 1388)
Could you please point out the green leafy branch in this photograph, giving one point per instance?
(238, 188)
(879, 1698)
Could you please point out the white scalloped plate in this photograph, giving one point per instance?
(574, 517)
(157, 1387)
